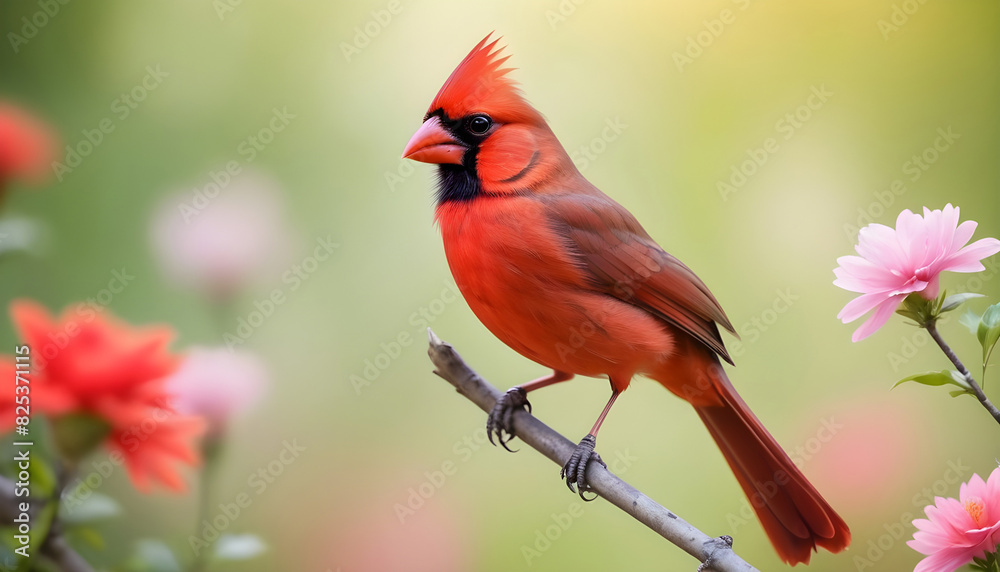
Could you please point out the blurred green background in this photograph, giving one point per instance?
(894, 74)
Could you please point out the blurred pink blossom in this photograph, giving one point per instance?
(434, 538)
(958, 530)
(222, 242)
(862, 450)
(217, 384)
(909, 258)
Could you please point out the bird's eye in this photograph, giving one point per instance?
(480, 124)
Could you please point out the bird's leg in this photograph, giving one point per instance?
(501, 418)
(575, 470)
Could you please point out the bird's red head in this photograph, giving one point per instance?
(486, 138)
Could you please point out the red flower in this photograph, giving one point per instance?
(27, 146)
(95, 375)
(151, 448)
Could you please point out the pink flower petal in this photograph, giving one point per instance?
(944, 561)
(861, 305)
(217, 384)
(963, 234)
(878, 319)
(859, 275)
(991, 497)
(877, 243)
(976, 487)
(931, 288)
(911, 233)
(968, 259)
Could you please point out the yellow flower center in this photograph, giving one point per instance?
(975, 507)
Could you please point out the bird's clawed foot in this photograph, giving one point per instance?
(575, 470)
(501, 419)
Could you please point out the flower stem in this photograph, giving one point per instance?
(210, 453)
(976, 390)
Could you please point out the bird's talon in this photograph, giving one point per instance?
(501, 419)
(575, 470)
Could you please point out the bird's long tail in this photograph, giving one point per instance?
(795, 517)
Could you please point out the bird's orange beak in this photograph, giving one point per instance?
(433, 144)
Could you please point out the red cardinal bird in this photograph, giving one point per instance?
(568, 278)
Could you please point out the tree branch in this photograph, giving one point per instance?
(714, 553)
(976, 389)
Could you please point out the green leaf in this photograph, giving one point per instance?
(989, 330)
(956, 300)
(970, 320)
(155, 556)
(21, 235)
(89, 536)
(930, 378)
(93, 507)
(908, 313)
(958, 392)
(239, 547)
(944, 377)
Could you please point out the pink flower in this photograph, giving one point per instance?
(217, 384)
(907, 259)
(434, 537)
(224, 240)
(956, 531)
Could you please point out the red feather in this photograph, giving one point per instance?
(479, 83)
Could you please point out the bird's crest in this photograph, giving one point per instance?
(479, 84)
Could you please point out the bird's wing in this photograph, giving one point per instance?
(620, 259)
